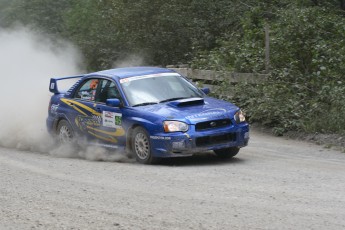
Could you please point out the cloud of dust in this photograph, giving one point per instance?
(27, 62)
(91, 153)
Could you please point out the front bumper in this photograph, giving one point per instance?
(186, 144)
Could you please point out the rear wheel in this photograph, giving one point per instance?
(141, 146)
(227, 153)
(65, 132)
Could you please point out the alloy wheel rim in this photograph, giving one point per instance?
(142, 146)
(65, 135)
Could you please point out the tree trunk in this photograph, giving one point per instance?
(342, 4)
(316, 2)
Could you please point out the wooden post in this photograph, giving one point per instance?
(342, 4)
(267, 48)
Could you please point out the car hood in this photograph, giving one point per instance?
(192, 113)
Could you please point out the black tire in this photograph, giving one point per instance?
(227, 153)
(65, 132)
(141, 146)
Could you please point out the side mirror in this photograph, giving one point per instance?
(206, 90)
(113, 102)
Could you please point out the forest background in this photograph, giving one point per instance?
(305, 89)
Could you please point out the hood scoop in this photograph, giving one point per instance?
(187, 102)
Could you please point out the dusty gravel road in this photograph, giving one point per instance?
(272, 184)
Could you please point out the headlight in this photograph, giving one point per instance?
(175, 126)
(239, 117)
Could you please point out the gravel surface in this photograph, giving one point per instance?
(272, 184)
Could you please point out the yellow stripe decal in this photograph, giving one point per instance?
(119, 132)
(111, 139)
(73, 104)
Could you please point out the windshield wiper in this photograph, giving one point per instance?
(173, 99)
(145, 103)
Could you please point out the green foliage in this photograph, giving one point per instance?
(306, 89)
(239, 51)
(307, 56)
(155, 29)
(91, 26)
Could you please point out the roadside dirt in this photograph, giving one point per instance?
(334, 141)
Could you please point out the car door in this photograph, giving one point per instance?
(110, 130)
(85, 116)
(91, 117)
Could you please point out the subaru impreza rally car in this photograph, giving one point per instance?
(147, 111)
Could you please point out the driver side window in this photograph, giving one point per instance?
(108, 90)
(88, 90)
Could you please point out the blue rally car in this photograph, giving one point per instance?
(147, 111)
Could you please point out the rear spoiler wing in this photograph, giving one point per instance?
(53, 87)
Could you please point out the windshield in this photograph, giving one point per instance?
(157, 88)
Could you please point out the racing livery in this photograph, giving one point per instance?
(147, 111)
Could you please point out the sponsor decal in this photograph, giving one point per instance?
(86, 121)
(129, 79)
(118, 119)
(90, 121)
(93, 126)
(160, 138)
(97, 119)
(54, 108)
(208, 113)
(112, 120)
(108, 114)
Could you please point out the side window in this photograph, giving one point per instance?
(88, 90)
(108, 90)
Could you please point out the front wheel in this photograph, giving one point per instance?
(227, 153)
(141, 146)
(65, 132)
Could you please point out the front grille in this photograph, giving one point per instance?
(218, 139)
(212, 124)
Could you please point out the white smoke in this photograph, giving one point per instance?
(91, 153)
(27, 61)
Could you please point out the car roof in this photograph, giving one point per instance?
(131, 72)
